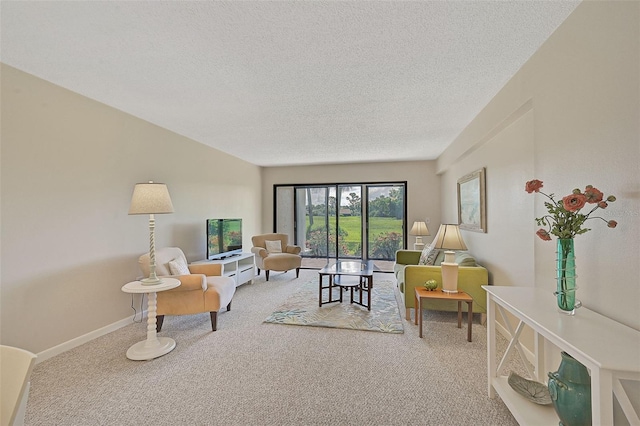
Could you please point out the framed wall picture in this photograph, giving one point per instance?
(472, 213)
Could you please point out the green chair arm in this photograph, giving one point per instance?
(408, 257)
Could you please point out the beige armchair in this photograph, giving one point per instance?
(273, 253)
(17, 365)
(202, 287)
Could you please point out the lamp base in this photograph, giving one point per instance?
(449, 256)
(151, 281)
(449, 277)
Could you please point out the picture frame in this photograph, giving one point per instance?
(472, 213)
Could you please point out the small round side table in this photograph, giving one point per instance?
(154, 346)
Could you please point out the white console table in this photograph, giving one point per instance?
(240, 267)
(610, 350)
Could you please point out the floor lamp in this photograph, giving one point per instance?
(151, 198)
(448, 238)
(419, 229)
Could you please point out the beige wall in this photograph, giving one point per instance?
(423, 186)
(69, 165)
(570, 117)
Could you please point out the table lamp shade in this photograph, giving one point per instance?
(419, 229)
(150, 198)
(449, 238)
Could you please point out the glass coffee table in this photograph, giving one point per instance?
(351, 274)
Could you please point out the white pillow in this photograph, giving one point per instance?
(428, 255)
(179, 267)
(424, 255)
(273, 246)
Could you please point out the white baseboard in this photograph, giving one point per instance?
(73, 343)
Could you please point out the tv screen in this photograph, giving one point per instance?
(224, 238)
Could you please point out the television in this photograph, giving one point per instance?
(224, 238)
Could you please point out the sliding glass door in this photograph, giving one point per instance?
(386, 220)
(349, 221)
(315, 215)
(342, 221)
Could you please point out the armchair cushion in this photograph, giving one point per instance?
(189, 282)
(17, 365)
(281, 262)
(219, 293)
(407, 257)
(208, 269)
(292, 249)
(185, 299)
(262, 252)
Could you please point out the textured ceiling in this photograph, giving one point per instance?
(283, 83)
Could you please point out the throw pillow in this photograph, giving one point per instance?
(433, 255)
(425, 255)
(273, 246)
(179, 267)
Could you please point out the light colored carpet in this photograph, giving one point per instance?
(301, 308)
(252, 373)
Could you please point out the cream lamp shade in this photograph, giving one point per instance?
(449, 238)
(151, 198)
(419, 229)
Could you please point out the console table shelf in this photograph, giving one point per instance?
(610, 350)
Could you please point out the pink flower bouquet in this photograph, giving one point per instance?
(565, 219)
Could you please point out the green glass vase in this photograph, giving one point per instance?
(566, 277)
(570, 391)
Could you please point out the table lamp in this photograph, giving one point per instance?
(449, 238)
(419, 229)
(151, 198)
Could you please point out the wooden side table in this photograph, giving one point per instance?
(154, 346)
(460, 296)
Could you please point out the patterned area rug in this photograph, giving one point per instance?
(302, 309)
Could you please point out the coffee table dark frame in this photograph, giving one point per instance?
(363, 283)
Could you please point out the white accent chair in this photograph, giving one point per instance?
(16, 366)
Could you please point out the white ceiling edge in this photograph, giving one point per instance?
(286, 83)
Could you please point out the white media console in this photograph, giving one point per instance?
(241, 267)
